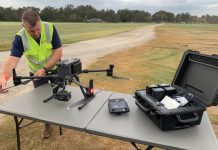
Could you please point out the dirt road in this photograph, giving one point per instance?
(89, 51)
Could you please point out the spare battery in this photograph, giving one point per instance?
(170, 90)
(158, 93)
(163, 85)
(149, 87)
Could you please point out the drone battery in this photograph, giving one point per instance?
(68, 67)
(118, 106)
(158, 93)
(76, 66)
(170, 90)
(163, 85)
(149, 87)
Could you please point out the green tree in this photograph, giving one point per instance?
(125, 15)
(86, 12)
(140, 16)
(184, 17)
(163, 16)
(69, 13)
(2, 13)
(108, 15)
(50, 14)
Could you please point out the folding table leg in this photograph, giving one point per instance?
(149, 147)
(17, 132)
(133, 144)
(60, 129)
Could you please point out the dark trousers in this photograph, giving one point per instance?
(38, 82)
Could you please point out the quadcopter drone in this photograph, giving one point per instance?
(67, 72)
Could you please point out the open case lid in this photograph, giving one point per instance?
(198, 74)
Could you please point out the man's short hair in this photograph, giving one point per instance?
(31, 17)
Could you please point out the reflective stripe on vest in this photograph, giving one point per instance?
(47, 32)
(37, 62)
(24, 39)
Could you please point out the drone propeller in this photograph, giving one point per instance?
(5, 90)
(110, 73)
(119, 78)
(16, 81)
(25, 82)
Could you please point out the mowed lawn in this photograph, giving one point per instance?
(157, 61)
(148, 63)
(69, 32)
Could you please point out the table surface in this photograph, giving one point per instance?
(95, 118)
(31, 106)
(135, 126)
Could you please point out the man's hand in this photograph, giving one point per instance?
(40, 72)
(6, 72)
(3, 83)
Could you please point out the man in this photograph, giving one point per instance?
(41, 45)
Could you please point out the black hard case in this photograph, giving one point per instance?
(196, 74)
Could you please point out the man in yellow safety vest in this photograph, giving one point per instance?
(41, 45)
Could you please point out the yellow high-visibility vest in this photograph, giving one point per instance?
(37, 55)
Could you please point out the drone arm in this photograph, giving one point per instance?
(109, 70)
(17, 79)
(31, 77)
(38, 77)
(78, 83)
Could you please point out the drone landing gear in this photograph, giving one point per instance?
(83, 102)
(88, 93)
(80, 103)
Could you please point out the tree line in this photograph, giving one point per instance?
(85, 13)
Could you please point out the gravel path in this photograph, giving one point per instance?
(93, 49)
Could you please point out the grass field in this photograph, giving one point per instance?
(156, 61)
(153, 62)
(69, 32)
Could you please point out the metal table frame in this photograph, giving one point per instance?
(18, 127)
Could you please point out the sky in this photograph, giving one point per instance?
(194, 7)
